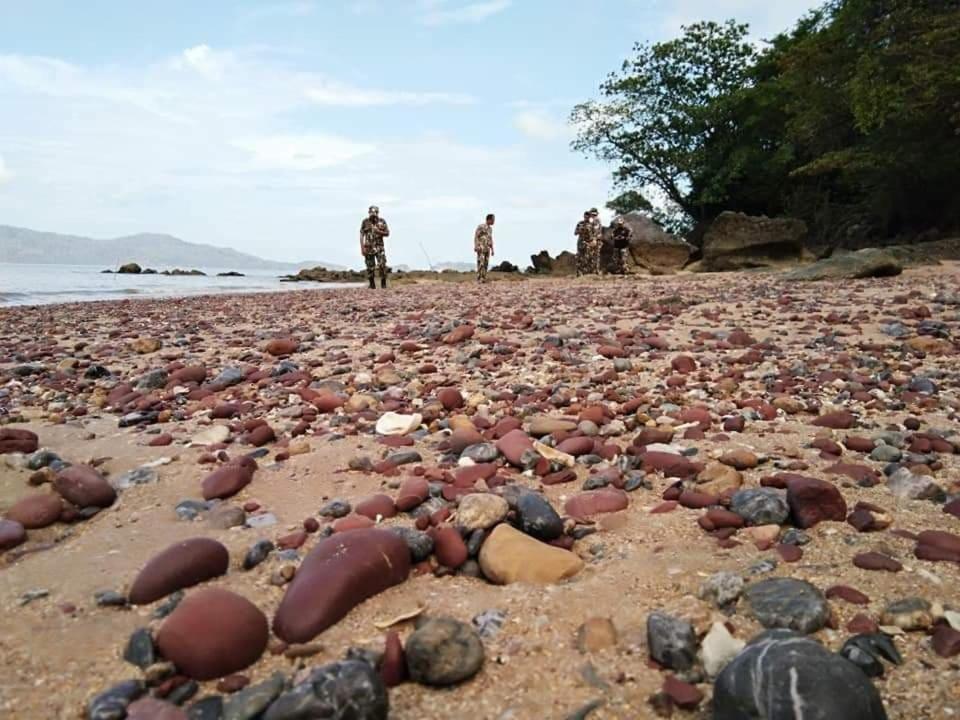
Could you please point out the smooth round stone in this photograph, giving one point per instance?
(443, 651)
(739, 459)
(450, 398)
(149, 708)
(760, 506)
(341, 572)
(576, 446)
(876, 561)
(780, 671)
(281, 346)
(787, 603)
(229, 479)
(15, 440)
(257, 553)
(413, 492)
(36, 511)
(212, 633)
(181, 565)
(376, 506)
(517, 447)
(481, 511)
(348, 690)
(595, 502)
(722, 588)
(886, 454)
(335, 509)
(509, 556)
(840, 420)
(847, 593)
(224, 517)
(12, 534)
(462, 438)
(83, 486)
(537, 518)
(482, 453)
(449, 547)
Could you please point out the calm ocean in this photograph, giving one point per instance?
(22, 284)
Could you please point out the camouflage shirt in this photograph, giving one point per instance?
(596, 230)
(483, 238)
(621, 236)
(583, 230)
(373, 231)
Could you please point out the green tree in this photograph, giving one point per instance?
(658, 114)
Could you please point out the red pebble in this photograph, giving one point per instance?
(845, 592)
(393, 666)
(789, 553)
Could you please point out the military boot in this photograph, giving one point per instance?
(383, 282)
(373, 285)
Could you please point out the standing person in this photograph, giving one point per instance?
(373, 230)
(621, 245)
(596, 241)
(483, 246)
(583, 233)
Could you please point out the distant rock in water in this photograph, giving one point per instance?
(149, 271)
(867, 263)
(505, 267)
(321, 274)
(232, 273)
(178, 271)
(130, 269)
(736, 241)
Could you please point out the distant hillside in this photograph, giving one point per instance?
(19, 245)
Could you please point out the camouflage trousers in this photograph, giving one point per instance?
(376, 260)
(483, 261)
(588, 258)
(620, 261)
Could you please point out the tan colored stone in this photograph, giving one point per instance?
(360, 401)
(299, 447)
(596, 634)
(509, 556)
(763, 535)
(930, 345)
(789, 405)
(717, 478)
(461, 422)
(541, 425)
(145, 345)
(480, 511)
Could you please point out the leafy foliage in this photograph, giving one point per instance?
(850, 121)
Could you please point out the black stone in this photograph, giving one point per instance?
(760, 506)
(866, 651)
(787, 603)
(109, 598)
(672, 641)
(786, 676)
(339, 691)
(257, 553)
(183, 692)
(537, 518)
(443, 651)
(419, 543)
(140, 650)
(335, 509)
(208, 708)
(475, 541)
(250, 702)
(168, 605)
(112, 704)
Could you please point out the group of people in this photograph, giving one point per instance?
(589, 233)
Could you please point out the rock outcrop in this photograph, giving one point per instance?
(871, 262)
(736, 241)
(130, 269)
(652, 250)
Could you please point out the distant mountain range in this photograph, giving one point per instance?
(20, 245)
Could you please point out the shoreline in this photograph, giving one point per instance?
(733, 368)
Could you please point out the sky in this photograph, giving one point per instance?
(271, 126)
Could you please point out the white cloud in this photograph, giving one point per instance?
(302, 152)
(5, 174)
(331, 93)
(211, 64)
(440, 12)
(539, 125)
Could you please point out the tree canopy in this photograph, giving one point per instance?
(849, 121)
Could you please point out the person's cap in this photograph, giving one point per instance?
(374, 209)
(594, 211)
(618, 221)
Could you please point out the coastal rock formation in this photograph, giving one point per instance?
(735, 241)
(867, 263)
(652, 250)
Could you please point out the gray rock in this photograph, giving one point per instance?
(153, 380)
(95, 372)
(208, 708)
(595, 482)
(109, 598)
(335, 509)
(866, 651)
(922, 385)
(622, 364)
(762, 567)
(735, 241)
(137, 476)
(168, 605)
(257, 553)
(904, 484)
(348, 690)
(225, 516)
(229, 376)
(788, 677)
(635, 480)
(760, 506)
(404, 457)
(672, 641)
(260, 521)
(866, 263)
(140, 650)
(443, 651)
(886, 454)
(481, 453)
(250, 702)
(793, 536)
(489, 622)
(41, 459)
(190, 509)
(788, 603)
(112, 704)
(419, 543)
(181, 693)
(722, 588)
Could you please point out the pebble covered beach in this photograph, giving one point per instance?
(542, 499)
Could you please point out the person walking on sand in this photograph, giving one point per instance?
(582, 233)
(621, 245)
(373, 230)
(483, 246)
(596, 242)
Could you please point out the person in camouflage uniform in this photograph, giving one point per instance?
(373, 230)
(483, 246)
(596, 242)
(583, 233)
(621, 245)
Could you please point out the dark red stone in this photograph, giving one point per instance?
(812, 501)
(862, 624)
(341, 572)
(161, 440)
(683, 694)
(946, 641)
(789, 553)
(449, 547)
(260, 435)
(845, 592)
(213, 632)
(352, 522)
(292, 541)
(375, 505)
(83, 486)
(393, 666)
(594, 502)
(12, 534)
(840, 420)
(450, 398)
(697, 500)
(576, 446)
(16, 440)
(36, 511)
(876, 561)
(182, 565)
(228, 479)
(413, 492)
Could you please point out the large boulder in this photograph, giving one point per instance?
(563, 264)
(130, 269)
(736, 241)
(867, 263)
(651, 249)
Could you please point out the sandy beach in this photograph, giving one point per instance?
(723, 375)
